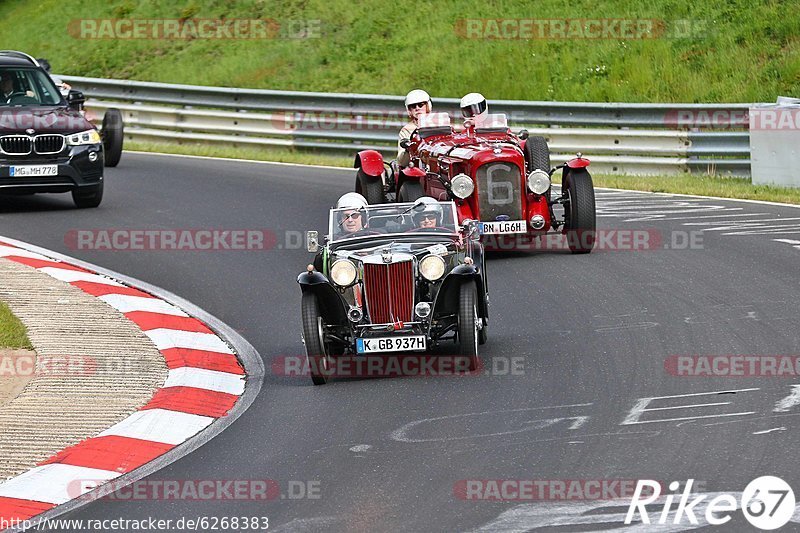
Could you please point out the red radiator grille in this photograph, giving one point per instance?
(390, 292)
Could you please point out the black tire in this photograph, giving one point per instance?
(371, 187)
(315, 348)
(113, 133)
(579, 211)
(88, 196)
(537, 154)
(468, 323)
(410, 191)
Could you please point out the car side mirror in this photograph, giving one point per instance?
(523, 134)
(75, 100)
(405, 143)
(312, 241)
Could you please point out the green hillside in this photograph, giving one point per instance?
(732, 51)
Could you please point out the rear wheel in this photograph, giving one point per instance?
(579, 210)
(113, 132)
(88, 196)
(371, 187)
(318, 362)
(410, 191)
(468, 335)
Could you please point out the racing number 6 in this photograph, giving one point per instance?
(506, 195)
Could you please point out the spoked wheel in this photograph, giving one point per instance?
(468, 333)
(579, 210)
(313, 336)
(113, 132)
(371, 187)
(410, 191)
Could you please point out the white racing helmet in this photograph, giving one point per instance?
(473, 104)
(431, 207)
(351, 200)
(418, 96)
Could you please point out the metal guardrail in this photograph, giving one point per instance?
(620, 138)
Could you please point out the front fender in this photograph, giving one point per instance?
(331, 305)
(578, 162)
(410, 174)
(370, 161)
(447, 298)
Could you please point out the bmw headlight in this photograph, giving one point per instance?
(343, 272)
(538, 181)
(84, 137)
(431, 267)
(462, 186)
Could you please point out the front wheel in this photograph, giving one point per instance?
(371, 187)
(313, 335)
(410, 191)
(468, 336)
(113, 133)
(88, 196)
(579, 210)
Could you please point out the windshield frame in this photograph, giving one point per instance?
(335, 235)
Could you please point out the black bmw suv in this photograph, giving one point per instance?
(46, 142)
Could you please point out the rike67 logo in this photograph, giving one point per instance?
(767, 503)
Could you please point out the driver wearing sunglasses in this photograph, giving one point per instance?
(352, 221)
(418, 103)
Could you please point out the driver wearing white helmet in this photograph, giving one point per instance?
(473, 105)
(427, 213)
(418, 103)
(351, 219)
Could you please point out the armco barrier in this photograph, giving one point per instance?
(620, 138)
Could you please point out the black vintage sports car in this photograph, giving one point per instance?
(406, 278)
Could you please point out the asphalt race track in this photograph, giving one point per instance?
(590, 333)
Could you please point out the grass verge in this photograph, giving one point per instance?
(681, 184)
(12, 332)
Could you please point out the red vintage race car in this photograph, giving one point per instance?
(495, 176)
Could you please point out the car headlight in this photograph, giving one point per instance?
(538, 181)
(431, 267)
(84, 137)
(343, 272)
(462, 186)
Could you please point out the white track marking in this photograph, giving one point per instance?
(160, 425)
(126, 304)
(202, 378)
(165, 339)
(55, 483)
(73, 275)
(769, 431)
(6, 251)
(640, 407)
(790, 401)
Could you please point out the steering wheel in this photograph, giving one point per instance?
(14, 95)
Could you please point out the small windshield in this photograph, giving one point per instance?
(491, 121)
(404, 218)
(434, 120)
(27, 87)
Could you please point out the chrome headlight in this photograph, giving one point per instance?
(462, 186)
(84, 137)
(431, 267)
(538, 181)
(343, 272)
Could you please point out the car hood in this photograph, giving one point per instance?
(41, 120)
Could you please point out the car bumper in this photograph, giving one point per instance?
(74, 170)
